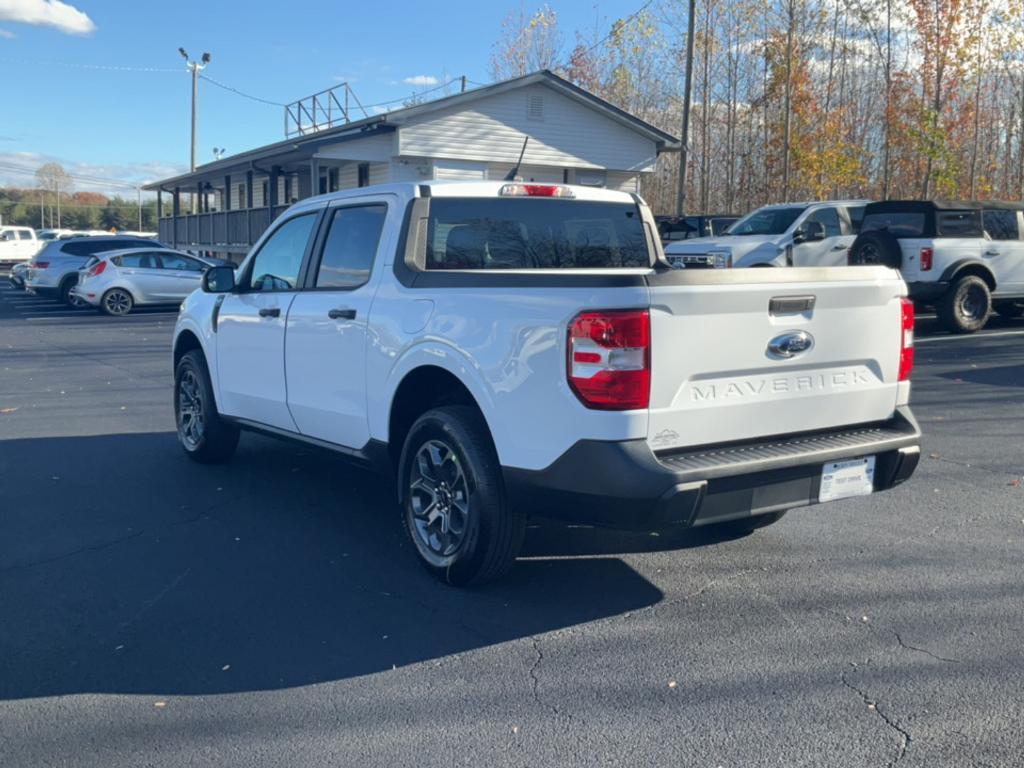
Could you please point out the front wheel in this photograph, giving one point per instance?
(203, 434)
(454, 508)
(965, 307)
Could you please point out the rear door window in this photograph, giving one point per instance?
(1001, 224)
(897, 223)
(544, 233)
(856, 214)
(959, 224)
(828, 218)
(351, 246)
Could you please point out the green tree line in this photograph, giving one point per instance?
(80, 210)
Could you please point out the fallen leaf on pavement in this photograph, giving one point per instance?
(8, 410)
(159, 704)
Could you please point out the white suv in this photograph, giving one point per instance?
(965, 258)
(784, 235)
(503, 350)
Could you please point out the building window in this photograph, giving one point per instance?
(321, 187)
(364, 174)
(332, 180)
(242, 202)
(265, 193)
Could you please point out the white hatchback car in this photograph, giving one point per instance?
(117, 281)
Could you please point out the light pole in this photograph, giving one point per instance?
(195, 67)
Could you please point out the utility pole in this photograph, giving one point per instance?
(195, 67)
(687, 91)
(58, 203)
(138, 190)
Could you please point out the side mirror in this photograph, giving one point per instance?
(219, 280)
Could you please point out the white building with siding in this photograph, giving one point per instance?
(574, 137)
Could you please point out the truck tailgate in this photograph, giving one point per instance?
(717, 378)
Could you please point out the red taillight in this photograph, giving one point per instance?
(518, 189)
(97, 268)
(609, 359)
(926, 259)
(39, 265)
(906, 339)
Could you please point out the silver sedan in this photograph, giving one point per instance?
(117, 281)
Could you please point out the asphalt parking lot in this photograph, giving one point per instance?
(156, 612)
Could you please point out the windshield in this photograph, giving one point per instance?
(766, 221)
(523, 233)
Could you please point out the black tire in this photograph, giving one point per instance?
(747, 525)
(454, 507)
(65, 293)
(1009, 309)
(216, 439)
(965, 307)
(117, 302)
(876, 248)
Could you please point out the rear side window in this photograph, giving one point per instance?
(25, 235)
(1001, 225)
(543, 233)
(959, 223)
(897, 223)
(856, 214)
(139, 261)
(351, 246)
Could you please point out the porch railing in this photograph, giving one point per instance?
(226, 229)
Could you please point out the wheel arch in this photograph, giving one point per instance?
(186, 341)
(420, 389)
(966, 267)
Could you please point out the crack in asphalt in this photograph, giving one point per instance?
(148, 604)
(74, 552)
(871, 704)
(925, 651)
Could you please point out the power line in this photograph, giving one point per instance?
(226, 87)
(624, 21)
(414, 95)
(20, 169)
(77, 65)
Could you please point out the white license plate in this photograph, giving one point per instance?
(843, 479)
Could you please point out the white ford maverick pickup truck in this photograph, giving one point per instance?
(507, 349)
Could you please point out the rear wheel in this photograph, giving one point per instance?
(65, 293)
(117, 302)
(454, 508)
(965, 307)
(203, 434)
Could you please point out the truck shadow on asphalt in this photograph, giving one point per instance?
(126, 568)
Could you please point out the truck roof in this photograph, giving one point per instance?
(433, 188)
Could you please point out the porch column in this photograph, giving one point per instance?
(227, 192)
(159, 205)
(175, 214)
(314, 177)
(272, 189)
(248, 204)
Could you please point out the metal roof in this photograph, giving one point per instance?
(304, 147)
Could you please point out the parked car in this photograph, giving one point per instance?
(117, 281)
(17, 244)
(671, 228)
(54, 271)
(785, 235)
(447, 333)
(17, 274)
(965, 258)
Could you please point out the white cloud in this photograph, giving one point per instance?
(47, 13)
(6, 34)
(17, 169)
(421, 80)
(345, 79)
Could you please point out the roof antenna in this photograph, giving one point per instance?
(511, 175)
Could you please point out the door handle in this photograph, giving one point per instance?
(270, 312)
(840, 247)
(342, 313)
(991, 253)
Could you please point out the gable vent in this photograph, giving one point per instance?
(535, 106)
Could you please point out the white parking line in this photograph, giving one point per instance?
(994, 334)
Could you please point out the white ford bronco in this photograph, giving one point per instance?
(504, 350)
(964, 258)
(783, 235)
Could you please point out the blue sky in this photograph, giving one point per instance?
(67, 101)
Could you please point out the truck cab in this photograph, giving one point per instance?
(783, 235)
(17, 244)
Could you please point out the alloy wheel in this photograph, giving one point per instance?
(190, 410)
(439, 499)
(972, 303)
(117, 302)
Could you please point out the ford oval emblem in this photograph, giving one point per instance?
(790, 344)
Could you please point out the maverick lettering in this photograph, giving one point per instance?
(755, 387)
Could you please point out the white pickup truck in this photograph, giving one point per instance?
(505, 349)
(783, 235)
(18, 245)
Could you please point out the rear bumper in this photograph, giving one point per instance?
(625, 485)
(920, 291)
